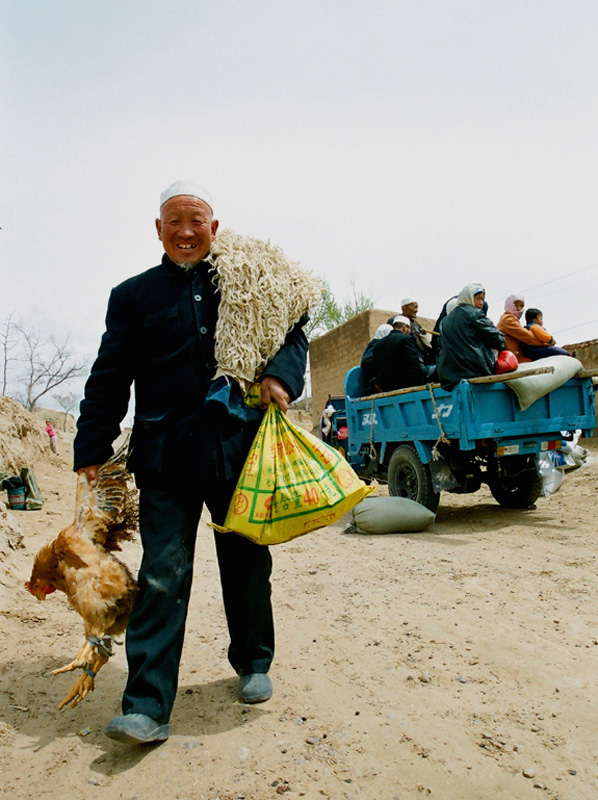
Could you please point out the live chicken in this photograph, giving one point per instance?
(80, 563)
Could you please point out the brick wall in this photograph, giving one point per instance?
(587, 353)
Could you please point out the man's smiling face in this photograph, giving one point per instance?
(186, 229)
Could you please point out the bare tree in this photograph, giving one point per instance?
(9, 339)
(67, 403)
(49, 364)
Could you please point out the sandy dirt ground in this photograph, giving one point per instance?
(459, 664)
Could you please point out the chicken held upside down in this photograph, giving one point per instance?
(80, 563)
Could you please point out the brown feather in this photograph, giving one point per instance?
(80, 563)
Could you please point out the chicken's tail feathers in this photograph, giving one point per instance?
(108, 512)
(122, 452)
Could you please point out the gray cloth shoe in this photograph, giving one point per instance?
(137, 729)
(255, 688)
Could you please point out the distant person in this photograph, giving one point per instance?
(512, 329)
(53, 437)
(469, 342)
(398, 363)
(368, 375)
(409, 309)
(326, 421)
(534, 322)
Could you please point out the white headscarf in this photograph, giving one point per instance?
(451, 305)
(467, 294)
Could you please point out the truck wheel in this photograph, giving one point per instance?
(408, 477)
(515, 481)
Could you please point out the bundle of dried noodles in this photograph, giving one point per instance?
(262, 295)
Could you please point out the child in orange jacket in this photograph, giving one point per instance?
(534, 320)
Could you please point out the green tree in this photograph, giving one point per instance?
(330, 313)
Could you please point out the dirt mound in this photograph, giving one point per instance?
(23, 439)
(23, 443)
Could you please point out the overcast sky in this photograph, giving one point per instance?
(406, 146)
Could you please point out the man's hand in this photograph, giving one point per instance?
(91, 474)
(272, 389)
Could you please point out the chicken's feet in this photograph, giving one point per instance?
(80, 660)
(85, 683)
(101, 650)
(80, 688)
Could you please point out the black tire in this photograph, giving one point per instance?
(408, 477)
(515, 481)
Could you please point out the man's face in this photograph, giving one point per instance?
(186, 229)
(402, 326)
(410, 310)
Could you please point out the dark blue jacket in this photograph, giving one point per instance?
(159, 337)
(468, 345)
(397, 362)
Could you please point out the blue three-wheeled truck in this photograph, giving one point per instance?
(425, 440)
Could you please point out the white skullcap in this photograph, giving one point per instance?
(401, 318)
(382, 331)
(407, 301)
(186, 187)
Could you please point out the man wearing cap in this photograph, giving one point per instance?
(191, 434)
(397, 363)
(409, 308)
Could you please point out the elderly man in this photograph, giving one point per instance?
(409, 308)
(397, 362)
(191, 434)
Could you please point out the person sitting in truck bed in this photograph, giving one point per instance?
(514, 332)
(468, 340)
(450, 304)
(397, 361)
(409, 309)
(534, 322)
(368, 374)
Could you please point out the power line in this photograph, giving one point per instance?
(564, 289)
(561, 277)
(574, 327)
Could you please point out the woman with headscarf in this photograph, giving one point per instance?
(513, 331)
(469, 342)
(367, 363)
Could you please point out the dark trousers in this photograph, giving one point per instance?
(542, 351)
(168, 522)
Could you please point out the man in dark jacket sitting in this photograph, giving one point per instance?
(397, 361)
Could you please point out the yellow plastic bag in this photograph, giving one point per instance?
(291, 484)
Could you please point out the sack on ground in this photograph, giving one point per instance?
(389, 515)
(291, 484)
(34, 498)
(574, 455)
(552, 475)
(530, 389)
